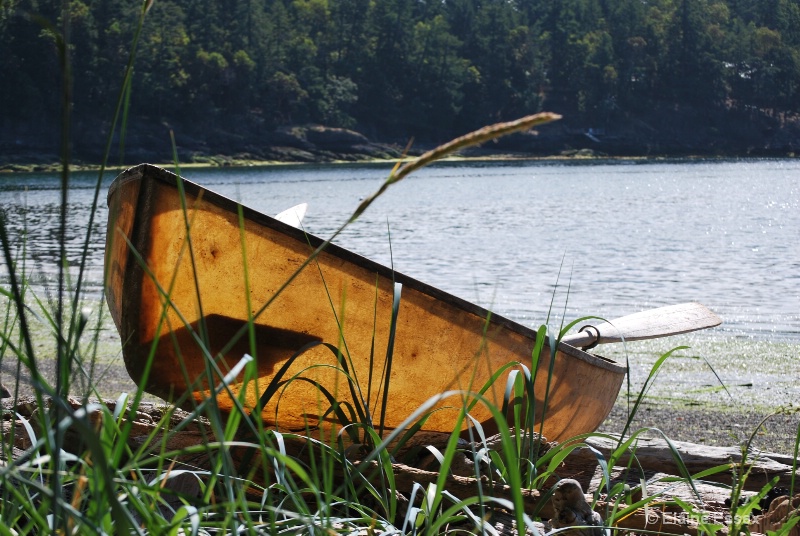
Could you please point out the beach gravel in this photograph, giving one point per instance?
(712, 425)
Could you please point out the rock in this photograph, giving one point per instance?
(334, 139)
(290, 136)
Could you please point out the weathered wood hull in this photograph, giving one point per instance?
(166, 293)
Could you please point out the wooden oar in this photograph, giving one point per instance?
(660, 322)
(293, 216)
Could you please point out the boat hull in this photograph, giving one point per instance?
(195, 281)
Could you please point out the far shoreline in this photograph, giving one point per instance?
(223, 162)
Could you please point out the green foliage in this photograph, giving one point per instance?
(398, 68)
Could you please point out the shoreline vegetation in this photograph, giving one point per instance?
(221, 161)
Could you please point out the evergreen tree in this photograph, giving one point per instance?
(394, 68)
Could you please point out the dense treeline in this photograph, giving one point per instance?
(394, 68)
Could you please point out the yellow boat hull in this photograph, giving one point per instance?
(188, 269)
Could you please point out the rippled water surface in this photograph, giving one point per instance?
(624, 236)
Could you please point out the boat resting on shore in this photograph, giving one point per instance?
(182, 300)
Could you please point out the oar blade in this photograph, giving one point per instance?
(651, 324)
(293, 216)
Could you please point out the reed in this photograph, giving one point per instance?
(98, 468)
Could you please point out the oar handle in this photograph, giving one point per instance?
(651, 324)
(587, 337)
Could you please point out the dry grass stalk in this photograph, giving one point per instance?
(477, 137)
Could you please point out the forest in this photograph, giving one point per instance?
(226, 75)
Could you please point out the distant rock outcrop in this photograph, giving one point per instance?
(657, 132)
(318, 143)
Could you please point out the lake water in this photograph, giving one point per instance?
(603, 238)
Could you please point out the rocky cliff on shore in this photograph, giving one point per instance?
(657, 133)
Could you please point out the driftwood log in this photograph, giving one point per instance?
(781, 510)
(654, 465)
(654, 455)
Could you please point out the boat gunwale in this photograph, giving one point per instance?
(143, 171)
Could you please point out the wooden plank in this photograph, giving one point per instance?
(655, 455)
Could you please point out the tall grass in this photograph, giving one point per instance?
(104, 468)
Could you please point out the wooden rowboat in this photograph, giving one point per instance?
(168, 288)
